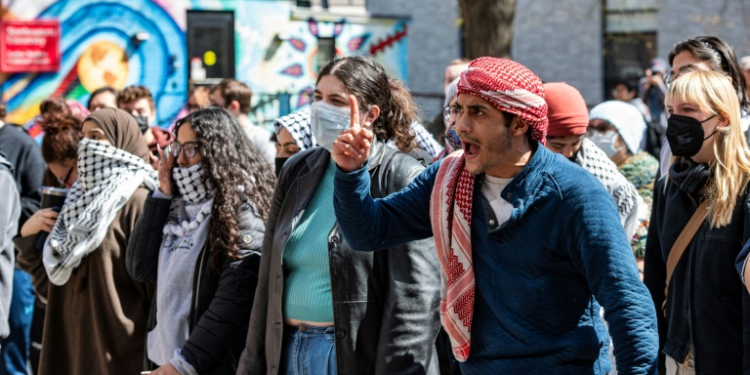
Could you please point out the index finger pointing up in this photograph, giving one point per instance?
(353, 113)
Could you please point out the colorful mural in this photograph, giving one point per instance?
(275, 51)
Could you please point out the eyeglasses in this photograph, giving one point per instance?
(190, 148)
(64, 180)
(450, 113)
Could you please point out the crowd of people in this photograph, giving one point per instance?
(519, 232)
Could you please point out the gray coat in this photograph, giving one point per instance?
(10, 211)
(385, 304)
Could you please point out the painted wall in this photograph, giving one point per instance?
(96, 51)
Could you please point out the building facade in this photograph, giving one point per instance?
(276, 47)
(591, 43)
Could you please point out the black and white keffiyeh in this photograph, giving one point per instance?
(190, 183)
(424, 140)
(298, 125)
(193, 205)
(596, 162)
(107, 178)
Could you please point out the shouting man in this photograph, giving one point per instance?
(529, 243)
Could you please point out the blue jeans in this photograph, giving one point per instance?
(308, 351)
(15, 347)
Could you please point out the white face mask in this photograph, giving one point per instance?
(327, 121)
(606, 142)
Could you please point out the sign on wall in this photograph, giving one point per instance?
(29, 46)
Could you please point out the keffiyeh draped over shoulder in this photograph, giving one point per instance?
(108, 175)
(450, 212)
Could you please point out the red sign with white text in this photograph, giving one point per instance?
(29, 46)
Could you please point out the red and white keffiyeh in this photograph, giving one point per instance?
(450, 212)
(509, 87)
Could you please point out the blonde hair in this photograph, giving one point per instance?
(713, 92)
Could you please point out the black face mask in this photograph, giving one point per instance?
(142, 123)
(685, 135)
(280, 163)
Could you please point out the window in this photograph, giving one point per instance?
(326, 51)
(629, 40)
(626, 56)
(210, 42)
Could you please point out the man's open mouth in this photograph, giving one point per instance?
(470, 149)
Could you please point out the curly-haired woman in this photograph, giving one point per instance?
(200, 239)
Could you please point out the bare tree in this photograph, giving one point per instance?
(488, 27)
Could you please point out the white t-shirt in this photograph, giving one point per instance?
(491, 190)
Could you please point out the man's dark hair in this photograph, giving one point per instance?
(232, 89)
(101, 90)
(2, 111)
(133, 93)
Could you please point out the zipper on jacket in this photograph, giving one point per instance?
(198, 280)
(333, 300)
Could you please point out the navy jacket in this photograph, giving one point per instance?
(708, 308)
(539, 277)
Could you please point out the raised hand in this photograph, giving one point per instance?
(165, 166)
(352, 148)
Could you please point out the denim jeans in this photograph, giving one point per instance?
(15, 347)
(308, 351)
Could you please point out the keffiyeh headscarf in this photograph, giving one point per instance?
(509, 87)
(298, 125)
(108, 175)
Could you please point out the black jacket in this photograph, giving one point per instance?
(222, 299)
(385, 304)
(708, 307)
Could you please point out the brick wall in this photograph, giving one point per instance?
(680, 20)
(433, 42)
(561, 42)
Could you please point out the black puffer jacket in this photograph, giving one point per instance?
(385, 303)
(222, 299)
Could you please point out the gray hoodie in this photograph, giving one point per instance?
(10, 211)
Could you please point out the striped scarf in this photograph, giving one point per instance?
(107, 178)
(450, 212)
